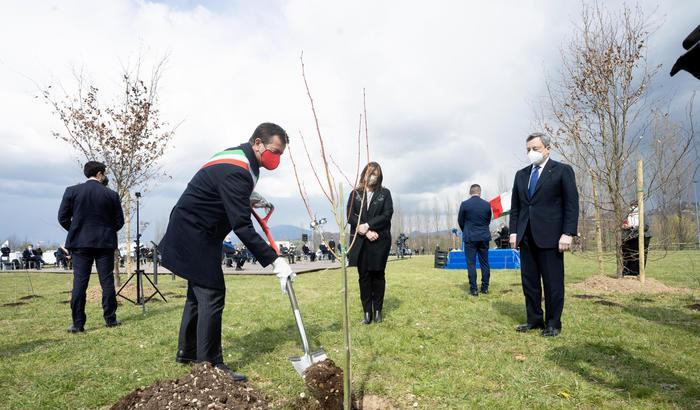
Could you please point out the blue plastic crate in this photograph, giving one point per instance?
(498, 259)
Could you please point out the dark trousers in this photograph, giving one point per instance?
(473, 249)
(372, 285)
(630, 255)
(82, 268)
(200, 330)
(538, 267)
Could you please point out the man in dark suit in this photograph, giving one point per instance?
(543, 222)
(92, 215)
(216, 201)
(31, 255)
(474, 218)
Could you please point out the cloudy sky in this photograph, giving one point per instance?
(450, 88)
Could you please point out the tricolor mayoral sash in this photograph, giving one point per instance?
(235, 157)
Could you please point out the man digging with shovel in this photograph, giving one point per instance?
(216, 201)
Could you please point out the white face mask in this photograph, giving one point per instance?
(372, 180)
(535, 157)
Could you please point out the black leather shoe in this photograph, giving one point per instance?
(237, 377)
(378, 316)
(550, 332)
(367, 319)
(526, 327)
(473, 293)
(75, 329)
(485, 291)
(183, 358)
(113, 324)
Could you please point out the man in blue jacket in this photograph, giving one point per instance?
(474, 218)
(216, 201)
(92, 215)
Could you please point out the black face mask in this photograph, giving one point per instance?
(105, 181)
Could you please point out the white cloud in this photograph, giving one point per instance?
(449, 84)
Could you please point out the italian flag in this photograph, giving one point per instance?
(500, 205)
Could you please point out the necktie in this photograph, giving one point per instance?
(533, 181)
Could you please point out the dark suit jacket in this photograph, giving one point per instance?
(216, 201)
(378, 216)
(92, 215)
(474, 218)
(26, 254)
(553, 209)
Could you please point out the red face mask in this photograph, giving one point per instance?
(270, 160)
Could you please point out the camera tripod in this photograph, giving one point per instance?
(141, 298)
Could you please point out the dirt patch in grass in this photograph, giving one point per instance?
(204, 388)
(607, 303)
(504, 291)
(585, 296)
(11, 304)
(63, 302)
(30, 297)
(600, 284)
(94, 294)
(694, 306)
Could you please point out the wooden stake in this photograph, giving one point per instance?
(640, 202)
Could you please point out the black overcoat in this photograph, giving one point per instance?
(378, 216)
(216, 201)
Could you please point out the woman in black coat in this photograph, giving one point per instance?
(369, 214)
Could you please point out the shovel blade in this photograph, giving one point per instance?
(301, 363)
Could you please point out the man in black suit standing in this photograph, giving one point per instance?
(474, 218)
(543, 222)
(92, 215)
(216, 201)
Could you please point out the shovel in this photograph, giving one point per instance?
(300, 363)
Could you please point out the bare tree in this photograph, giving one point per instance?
(127, 134)
(331, 185)
(599, 108)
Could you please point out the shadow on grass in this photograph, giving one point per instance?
(464, 287)
(371, 366)
(626, 374)
(391, 303)
(151, 311)
(7, 351)
(671, 317)
(267, 340)
(516, 312)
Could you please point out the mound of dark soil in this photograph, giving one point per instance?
(325, 383)
(204, 388)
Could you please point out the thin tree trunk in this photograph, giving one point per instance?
(347, 375)
(598, 233)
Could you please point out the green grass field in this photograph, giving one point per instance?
(438, 348)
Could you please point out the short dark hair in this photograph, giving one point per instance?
(266, 131)
(92, 168)
(475, 189)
